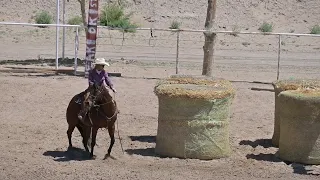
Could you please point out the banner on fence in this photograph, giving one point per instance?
(93, 15)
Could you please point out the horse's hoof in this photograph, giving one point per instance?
(106, 156)
(93, 157)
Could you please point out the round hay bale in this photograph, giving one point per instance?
(199, 80)
(300, 126)
(193, 121)
(284, 85)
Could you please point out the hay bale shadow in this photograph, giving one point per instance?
(302, 170)
(143, 152)
(297, 168)
(75, 154)
(148, 152)
(148, 139)
(264, 157)
(266, 143)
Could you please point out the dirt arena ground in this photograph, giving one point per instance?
(33, 139)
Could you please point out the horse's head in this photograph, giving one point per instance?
(99, 93)
(104, 95)
(103, 102)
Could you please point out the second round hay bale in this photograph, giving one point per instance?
(193, 121)
(284, 85)
(300, 126)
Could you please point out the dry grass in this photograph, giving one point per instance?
(313, 92)
(197, 80)
(193, 91)
(285, 85)
(198, 87)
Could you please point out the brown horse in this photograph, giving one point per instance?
(103, 114)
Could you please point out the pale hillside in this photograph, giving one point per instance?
(286, 15)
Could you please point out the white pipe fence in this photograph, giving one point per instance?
(163, 29)
(57, 34)
(178, 31)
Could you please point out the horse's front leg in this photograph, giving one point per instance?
(93, 141)
(111, 130)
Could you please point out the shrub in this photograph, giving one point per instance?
(113, 16)
(76, 20)
(266, 27)
(315, 29)
(43, 17)
(175, 25)
(235, 30)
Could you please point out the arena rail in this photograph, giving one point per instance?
(76, 41)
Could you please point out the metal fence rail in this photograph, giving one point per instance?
(185, 46)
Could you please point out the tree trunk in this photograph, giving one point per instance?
(83, 14)
(210, 37)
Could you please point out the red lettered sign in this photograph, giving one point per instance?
(93, 16)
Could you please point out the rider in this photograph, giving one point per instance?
(97, 76)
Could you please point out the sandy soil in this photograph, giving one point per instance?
(34, 141)
(33, 137)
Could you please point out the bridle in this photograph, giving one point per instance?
(108, 118)
(99, 105)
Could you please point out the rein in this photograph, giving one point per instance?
(108, 118)
(108, 102)
(115, 112)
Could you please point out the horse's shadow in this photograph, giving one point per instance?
(72, 154)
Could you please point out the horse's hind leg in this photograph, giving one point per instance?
(111, 130)
(85, 136)
(69, 133)
(93, 141)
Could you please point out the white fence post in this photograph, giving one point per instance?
(76, 49)
(177, 53)
(64, 29)
(279, 56)
(57, 35)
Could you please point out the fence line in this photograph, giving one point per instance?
(178, 45)
(164, 29)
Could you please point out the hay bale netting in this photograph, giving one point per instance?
(300, 126)
(193, 120)
(284, 85)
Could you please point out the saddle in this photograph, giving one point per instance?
(92, 91)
